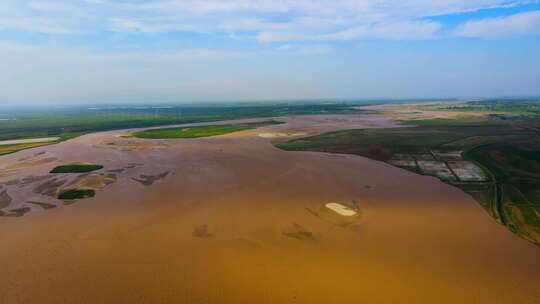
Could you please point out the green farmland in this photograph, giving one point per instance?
(67, 123)
(199, 131)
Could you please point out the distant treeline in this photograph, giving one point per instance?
(72, 122)
(518, 106)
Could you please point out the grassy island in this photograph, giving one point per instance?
(74, 194)
(200, 131)
(76, 168)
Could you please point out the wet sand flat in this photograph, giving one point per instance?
(27, 141)
(418, 240)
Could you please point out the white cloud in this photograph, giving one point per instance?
(265, 20)
(317, 49)
(38, 25)
(391, 30)
(520, 24)
(89, 56)
(406, 30)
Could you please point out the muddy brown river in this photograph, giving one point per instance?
(235, 220)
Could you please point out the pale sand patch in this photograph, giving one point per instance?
(413, 111)
(280, 134)
(28, 141)
(7, 172)
(95, 181)
(341, 209)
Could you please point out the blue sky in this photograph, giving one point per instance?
(188, 50)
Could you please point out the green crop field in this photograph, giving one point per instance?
(381, 144)
(199, 131)
(67, 123)
(70, 121)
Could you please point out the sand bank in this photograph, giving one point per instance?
(28, 141)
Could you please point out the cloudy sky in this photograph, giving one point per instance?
(188, 50)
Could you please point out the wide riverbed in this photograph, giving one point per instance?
(235, 220)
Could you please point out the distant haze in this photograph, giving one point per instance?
(160, 51)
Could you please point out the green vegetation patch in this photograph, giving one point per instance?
(200, 131)
(7, 149)
(76, 168)
(460, 120)
(382, 144)
(509, 161)
(74, 194)
(504, 109)
(70, 122)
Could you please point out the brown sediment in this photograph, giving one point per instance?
(32, 163)
(298, 232)
(18, 212)
(50, 187)
(421, 241)
(133, 165)
(127, 145)
(7, 172)
(45, 206)
(31, 157)
(149, 180)
(5, 199)
(32, 179)
(202, 232)
(12, 182)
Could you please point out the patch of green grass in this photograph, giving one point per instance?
(74, 194)
(8, 149)
(70, 135)
(509, 161)
(76, 168)
(199, 131)
(381, 143)
(512, 107)
(456, 121)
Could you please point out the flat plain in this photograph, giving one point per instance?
(233, 219)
